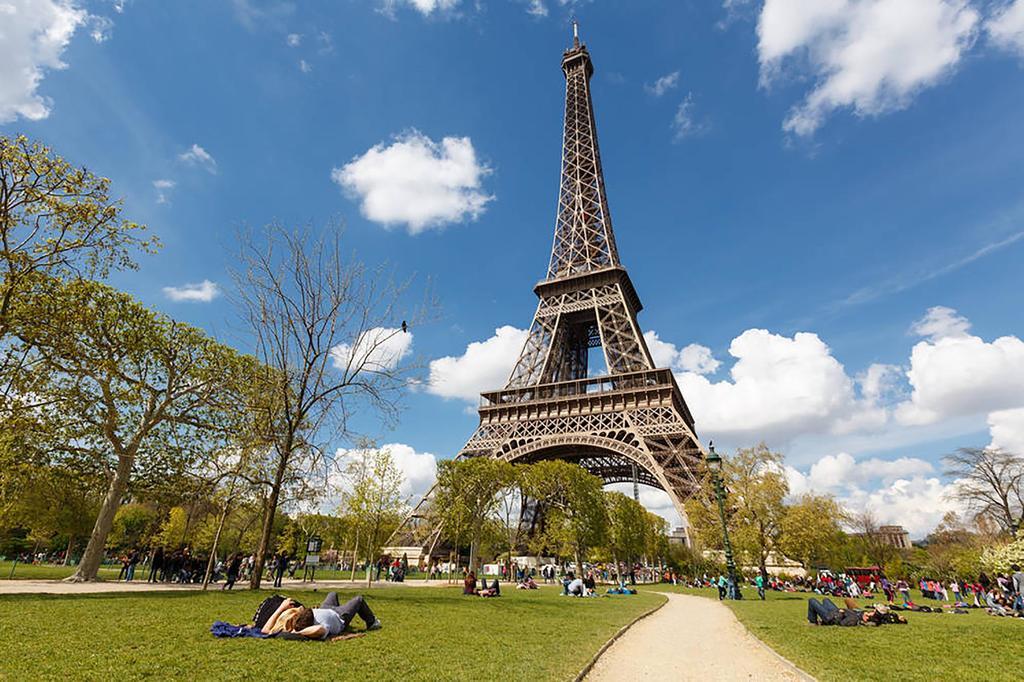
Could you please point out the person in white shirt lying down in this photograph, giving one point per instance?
(329, 620)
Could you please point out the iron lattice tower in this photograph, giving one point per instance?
(627, 424)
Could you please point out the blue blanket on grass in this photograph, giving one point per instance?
(222, 629)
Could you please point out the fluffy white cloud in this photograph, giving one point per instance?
(902, 491)
(663, 84)
(33, 36)
(417, 182)
(304, 66)
(197, 156)
(780, 387)
(163, 188)
(1007, 430)
(871, 55)
(536, 8)
(293, 39)
(419, 471)
(377, 349)
(693, 358)
(953, 373)
(1006, 26)
(484, 366)
(203, 292)
(424, 7)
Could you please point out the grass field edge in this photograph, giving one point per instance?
(604, 647)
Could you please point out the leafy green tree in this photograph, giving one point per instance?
(57, 220)
(627, 528)
(132, 526)
(126, 388)
(375, 501)
(576, 518)
(810, 529)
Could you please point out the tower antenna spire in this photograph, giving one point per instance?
(575, 32)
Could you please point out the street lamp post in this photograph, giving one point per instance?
(714, 461)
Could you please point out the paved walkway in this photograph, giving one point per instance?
(690, 638)
(61, 587)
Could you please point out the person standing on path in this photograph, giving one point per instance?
(234, 568)
(722, 584)
(280, 567)
(156, 564)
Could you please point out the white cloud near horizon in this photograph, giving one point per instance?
(871, 56)
(33, 37)
(201, 292)
(424, 7)
(417, 182)
(163, 188)
(419, 472)
(197, 156)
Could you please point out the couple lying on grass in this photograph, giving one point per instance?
(281, 617)
(824, 612)
(469, 587)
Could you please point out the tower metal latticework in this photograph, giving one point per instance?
(625, 422)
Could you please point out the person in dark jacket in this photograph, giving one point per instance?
(824, 612)
(234, 566)
(156, 565)
(280, 567)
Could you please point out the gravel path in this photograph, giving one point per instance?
(690, 638)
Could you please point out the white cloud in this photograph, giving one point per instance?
(33, 36)
(1007, 430)
(417, 182)
(664, 84)
(424, 7)
(304, 66)
(870, 55)
(941, 322)
(901, 491)
(780, 387)
(202, 292)
(537, 8)
(293, 39)
(100, 28)
(953, 373)
(684, 125)
(378, 349)
(693, 358)
(1006, 26)
(163, 187)
(419, 470)
(197, 156)
(484, 366)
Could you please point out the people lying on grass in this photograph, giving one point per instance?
(329, 620)
(824, 612)
(492, 591)
(621, 589)
(527, 583)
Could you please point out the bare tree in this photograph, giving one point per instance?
(991, 483)
(329, 332)
(878, 550)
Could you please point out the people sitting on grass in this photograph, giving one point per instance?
(527, 583)
(469, 584)
(824, 612)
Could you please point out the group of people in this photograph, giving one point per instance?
(470, 587)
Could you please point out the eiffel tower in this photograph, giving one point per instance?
(628, 424)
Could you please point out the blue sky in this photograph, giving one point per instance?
(822, 200)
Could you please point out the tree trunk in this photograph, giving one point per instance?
(268, 522)
(216, 541)
(89, 566)
(355, 553)
(71, 546)
(472, 554)
(579, 564)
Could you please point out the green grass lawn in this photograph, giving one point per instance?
(51, 572)
(429, 634)
(932, 646)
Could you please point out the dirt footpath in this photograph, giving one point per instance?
(690, 638)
